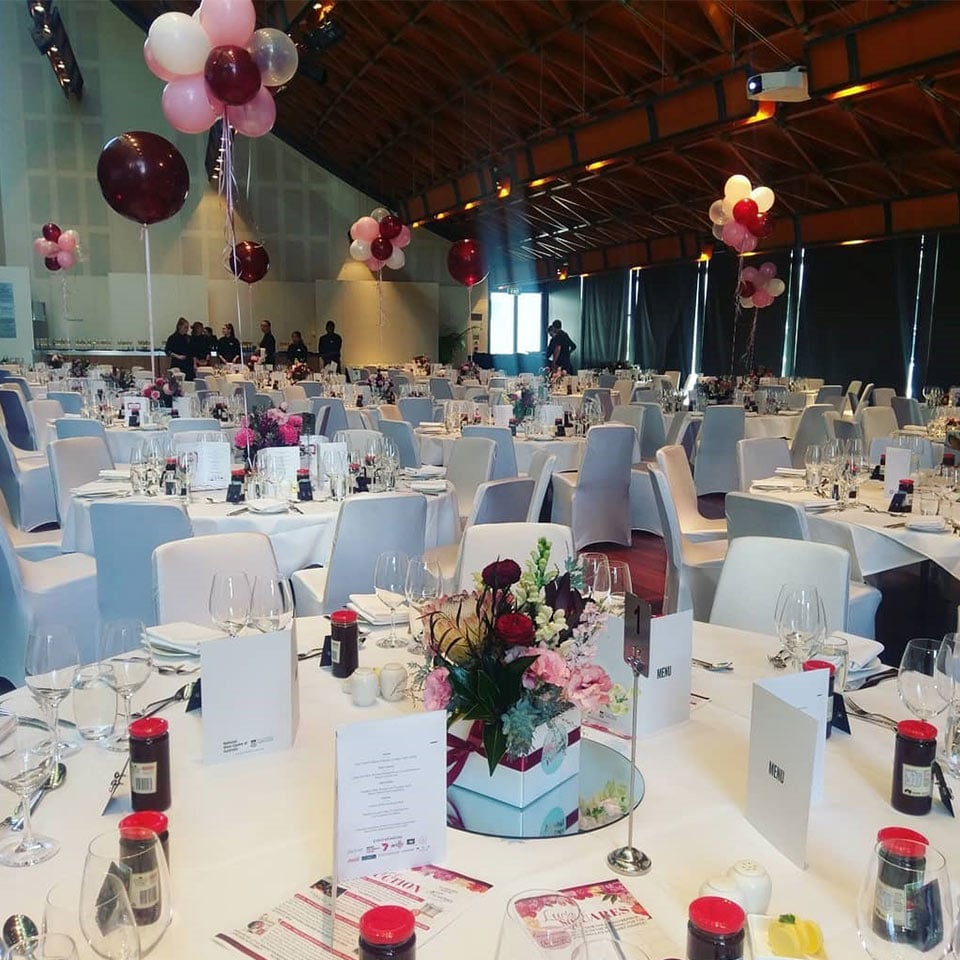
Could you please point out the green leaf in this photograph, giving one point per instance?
(494, 743)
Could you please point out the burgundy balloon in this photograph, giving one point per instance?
(51, 263)
(381, 248)
(744, 211)
(390, 227)
(232, 75)
(249, 261)
(760, 226)
(143, 177)
(51, 232)
(747, 289)
(466, 262)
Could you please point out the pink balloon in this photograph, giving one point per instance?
(256, 118)
(68, 240)
(404, 237)
(40, 247)
(186, 105)
(66, 259)
(768, 270)
(152, 64)
(750, 275)
(228, 21)
(374, 264)
(761, 298)
(50, 248)
(366, 228)
(733, 234)
(748, 244)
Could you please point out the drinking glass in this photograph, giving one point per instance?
(51, 662)
(389, 583)
(921, 692)
(621, 584)
(271, 604)
(128, 667)
(813, 463)
(26, 762)
(904, 908)
(596, 575)
(134, 856)
(948, 676)
(424, 583)
(187, 468)
(230, 601)
(94, 702)
(800, 621)
(540, 924)
(106, 918)
(50, 946)
(836, 650)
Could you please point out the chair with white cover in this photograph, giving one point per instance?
(27, 486)
(676, 433)
(693, 567)
(674, 377)
(595, 501)
(361, 438)
(541, 468)
(756, 568)
(61, 589)
(401, 433)
(415, 409)
(876, 422)
(866, 397)
(830, 418)
(71, 402)
(922, 446)
(33, 546)
(883, 395)
(366, 527)
(193, 424)
(125, 534)
(372, 417)
(643, 394)
(603, 396)
(654, 432)
(906, 410)
(68, 427)
(759, 457)
(25, 390)
(248, 390)
(672, 460)
(606, 380)
(846, 430)
(42, 413)
(632, 414)
(261, 402)
(831, 393)
(715, 468)
(183, 571)
(440, 388)
(471, 463)
(853, 394)
(810, 430)
(336, 418)
(354, 417)
(74, 462)
(389, 411)
(311, 388)
(294, 392)
(516, 541)
(14, 412)
(505, 464)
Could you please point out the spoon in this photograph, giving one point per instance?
(54, 782)
(18, 928)
(182, 694)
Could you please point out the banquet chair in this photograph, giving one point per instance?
(595, 501)
(853, 394)
(876, 422)
(674, 377)
(336, 418)
(831, 393)
(194, 424)
(261, 402)
(367, 526)
(14, 412)
(654, 433)
(883, 395)
(830, 418)
(35, 545)
(71, 402)
(440, 388)
(603, 397)
(294, 392)
(415, 409)
(389, 411)
(693, 567)
(810, 430)
(641, 394)
(794, 400)
(42, 412)
(372, 417)
(311, 388)
(74, 462)
(125, 534)
(679, 422)
(607, 380)
(58, 590)
(540, 470)
(715, 467)
(497, 383)
(183, 571)
(906, 410)
(756, 568)
(67, 428)
(354, 418)
(505, 463)
(27, 486)
(672, 460)
(846, 430)
(633, 415)
(486, 543)
(759, 457)
(358, 437)
(401, 433)
(25, 389)
(471, 463)
(248, 390)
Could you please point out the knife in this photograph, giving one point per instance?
(236, 513)
(872, 681)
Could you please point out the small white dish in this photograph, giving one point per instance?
(928, 525)
(267, 505)
(758, 926)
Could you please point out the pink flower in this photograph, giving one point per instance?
(167, 390)
(437, 690)
(245, 437)
(549, 667)
(154, 394)
(295, 421)
(588, 688)
(289, 434)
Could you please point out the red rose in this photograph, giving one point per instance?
(515, 628)
(501, 574)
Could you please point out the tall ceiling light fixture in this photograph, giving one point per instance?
(50, 37)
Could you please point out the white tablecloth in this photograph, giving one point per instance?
(245, 834)
(435, 449)
(298, 539)
(122, 441)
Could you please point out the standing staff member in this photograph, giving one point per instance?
(179, 349)
(330, 346)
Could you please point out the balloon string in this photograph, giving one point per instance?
(751, 338)
(380, 304)
(226, 188)
(736, 316)
(469, 321)
(153, 344)
(63, 290)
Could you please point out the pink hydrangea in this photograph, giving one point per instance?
(295, 421)
(154, 394)
(549, 667)
(245, 437)
(289, 434)
(588, 687)
(437, 690)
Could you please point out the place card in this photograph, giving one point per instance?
(390, 795)
(251, 694)
(785, 769)
(285, 460)
(897, 468)
(212, 470)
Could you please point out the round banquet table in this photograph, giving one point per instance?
(122, 441)
(435, 450)
(299, 539)
(245, 834)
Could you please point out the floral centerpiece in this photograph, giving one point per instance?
(514, 655)
(252, 360)
(79, 367)
(468, 371)
(382, 386)
(299, 371)
(119, 378)
(717, 389)
(164, 390)
(273, 427)
(555, 377)
(524, 403)
(54, 361)
(422, 363)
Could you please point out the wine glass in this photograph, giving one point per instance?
(813, 463)
(51, 662)
(621, 583)
(905, 909)
(127, 668)
(49, 946)
(230, 601)
(134, 856)
(424, 583)
(389, 583)
(187, 468)
(540, 924)
(596, 575)
(271, 604)
(800, 619)
(26, 762)
(922, 693)
(110, 920)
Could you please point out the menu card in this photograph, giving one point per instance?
(896, 468)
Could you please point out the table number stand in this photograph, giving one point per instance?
(628, 860)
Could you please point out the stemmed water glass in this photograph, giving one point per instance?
(621, 583)
(127, 668)
(26, 762)
(389, 581)
(271, 604)
(801, 622)
(813, 464)
(923, 694)
(230, 601)
(51, 662)
(596, 576)
(105, 919)
(424, 583)
(948, 676)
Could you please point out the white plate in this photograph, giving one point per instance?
(179, 639)
(430, 487)
(267, 505)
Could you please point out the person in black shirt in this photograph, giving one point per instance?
(560, 349)
(199, 345)
(179, 349)
(330, 346)
(268, 344)
(297, 350)
(228, 346)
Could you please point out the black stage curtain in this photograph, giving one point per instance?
(663, 317)
(604, 325)
(938, 342)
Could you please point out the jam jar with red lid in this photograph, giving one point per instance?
(913, 756)
(149, 764)
(388, 933)
(715, 929)
(344, 643)
(150, 820)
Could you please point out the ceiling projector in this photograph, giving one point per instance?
(787, 86)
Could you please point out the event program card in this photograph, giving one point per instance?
(391, 794)
(896, 468)
(785, 772)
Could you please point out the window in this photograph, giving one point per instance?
(501, 323)
(516, 322)
(529, 323)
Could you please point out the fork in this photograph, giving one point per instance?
(867, 716)
(720, 666)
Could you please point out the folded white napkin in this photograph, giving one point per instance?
(181, 638)
(429, 486)
(431, 423)
(116, 474)
(789, 471)
(372, 609)
(266, 505)
(927, 524)
(773, 485)
(863, 652)
(99, 488)
(425, 472)
(817, 506)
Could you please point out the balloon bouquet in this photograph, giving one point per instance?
(378, 241)
(59, 248)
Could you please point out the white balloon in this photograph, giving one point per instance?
(776, 286)
(196, 14)
(360, 250)
(746, 302)
(276, 56)
(736, 188)
(728, 208)
(179, 44)
(397, 259)
(718, 231)
(379, 213)
(763, 197)
(717, 214)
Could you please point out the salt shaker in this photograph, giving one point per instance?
(393, 681)
(754, 884)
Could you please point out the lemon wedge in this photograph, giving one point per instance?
(790, 936)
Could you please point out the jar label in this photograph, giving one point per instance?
(335, 651)
(144, 889)
(899, 906)
(917, 781)
(143, 777)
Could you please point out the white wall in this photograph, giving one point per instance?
(20, 344)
